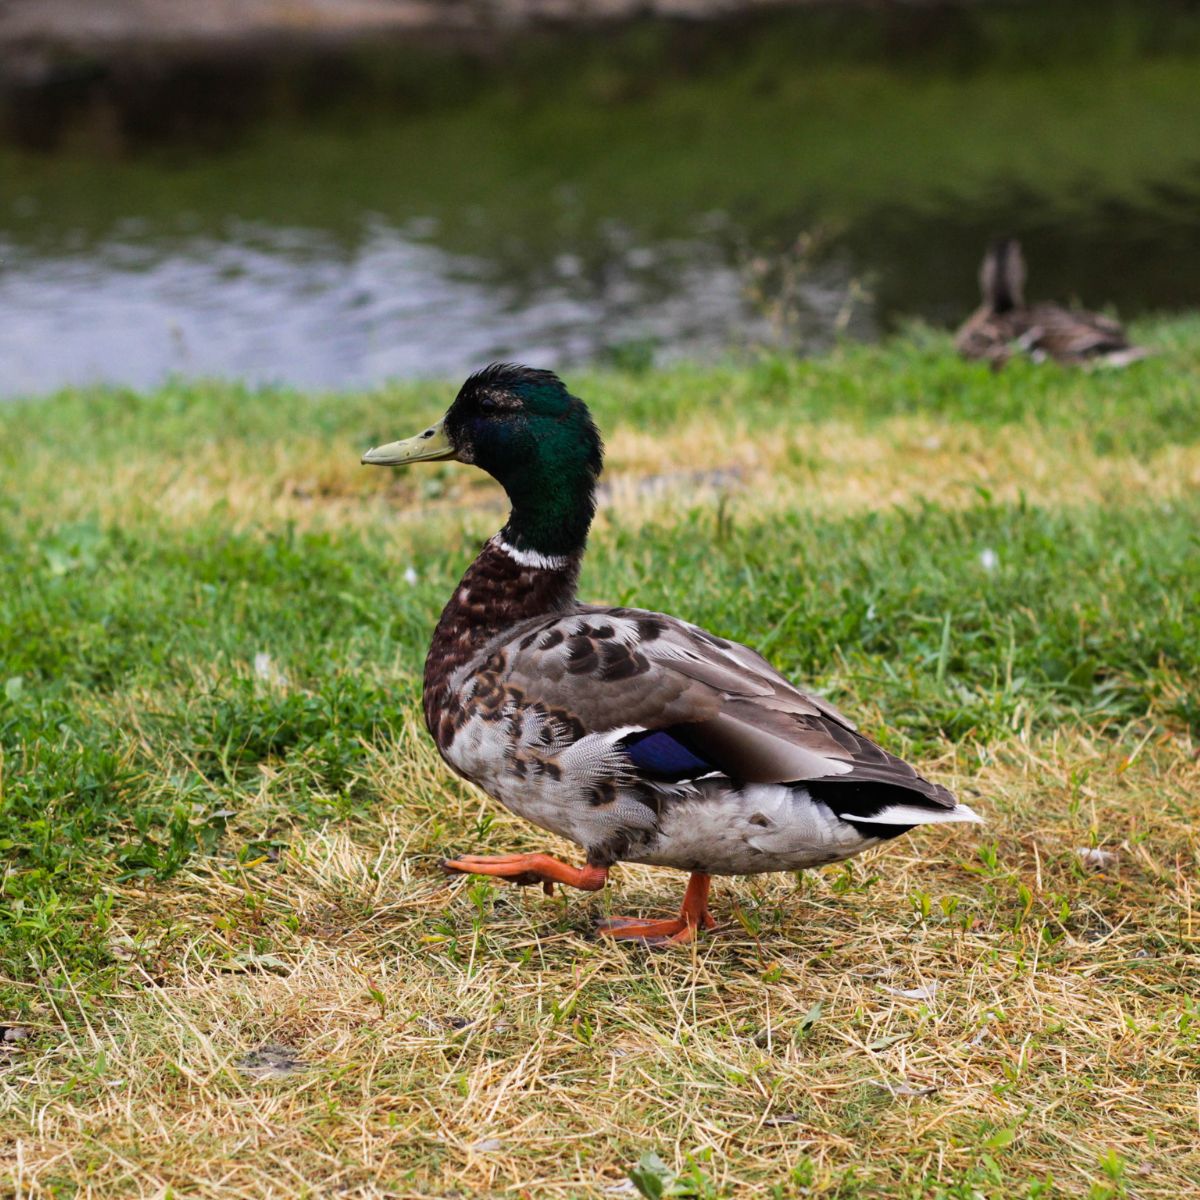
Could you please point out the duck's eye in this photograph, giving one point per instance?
(492, 404)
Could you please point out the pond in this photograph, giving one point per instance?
(340, 216)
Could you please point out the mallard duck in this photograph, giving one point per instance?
(634, 734)
(1003, 322)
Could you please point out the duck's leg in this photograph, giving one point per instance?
(692, 916)
(527, 869)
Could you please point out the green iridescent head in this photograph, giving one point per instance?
(533, 437)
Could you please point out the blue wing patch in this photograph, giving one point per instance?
(664, 756)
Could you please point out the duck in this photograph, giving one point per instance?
(1003, 322)
(636, 735)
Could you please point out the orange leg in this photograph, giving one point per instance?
(693, 915)
(527, 869)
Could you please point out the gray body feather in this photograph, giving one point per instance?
(546, 707)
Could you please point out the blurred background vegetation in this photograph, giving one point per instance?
(336, 213)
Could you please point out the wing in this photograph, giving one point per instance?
(684, 704)
(1073, 333)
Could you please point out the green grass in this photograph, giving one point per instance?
(999, 575)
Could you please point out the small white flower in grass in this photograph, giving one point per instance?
(265, 669)
(989, 560)
(410, 576)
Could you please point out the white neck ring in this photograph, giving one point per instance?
(532, 558)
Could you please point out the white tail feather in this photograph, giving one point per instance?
(912, 814)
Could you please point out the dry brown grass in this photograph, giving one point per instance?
(464, 1039)
(835, 467)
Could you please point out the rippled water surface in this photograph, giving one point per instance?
(336, 219)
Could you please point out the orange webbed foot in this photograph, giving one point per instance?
(675, 931)
(672, 932)
(526, 870)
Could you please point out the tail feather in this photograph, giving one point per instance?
(1002, 276)
(915, 814)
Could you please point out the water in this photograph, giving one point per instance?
(337, 218)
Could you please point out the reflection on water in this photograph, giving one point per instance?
(279, 306)
(683, 192)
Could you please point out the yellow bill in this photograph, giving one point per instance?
(425, 447)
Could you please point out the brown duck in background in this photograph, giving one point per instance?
(1003, 322)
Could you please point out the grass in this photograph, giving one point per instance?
(220, 815)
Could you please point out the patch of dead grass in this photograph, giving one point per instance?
(469, 1039)
(830, 467)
